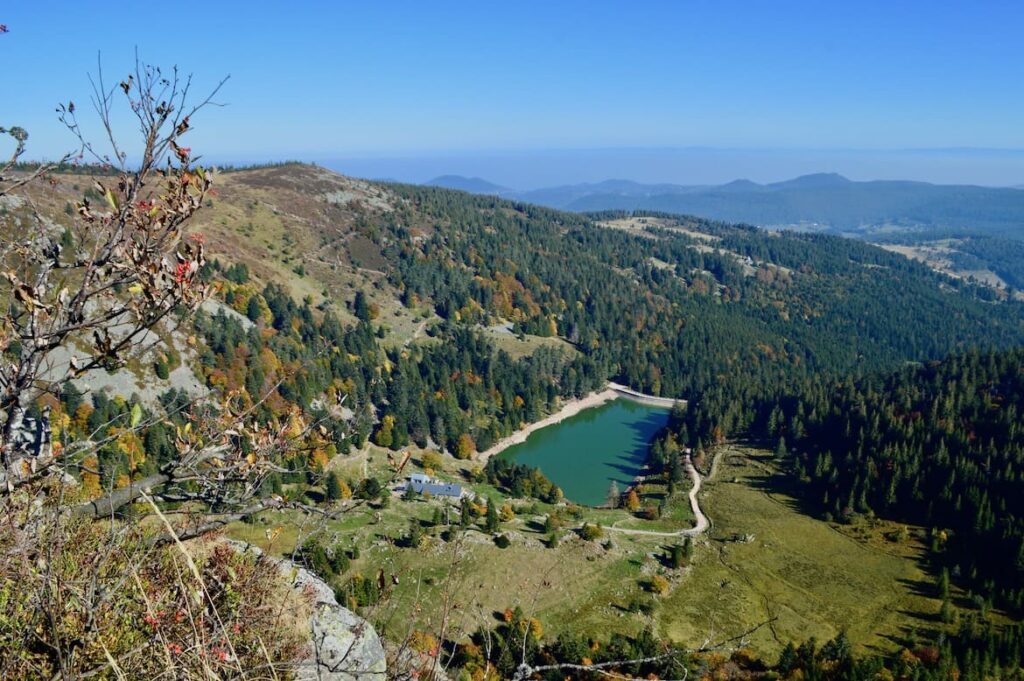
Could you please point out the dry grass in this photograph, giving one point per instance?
(938, 256)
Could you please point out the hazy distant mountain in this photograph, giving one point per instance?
(814, 181)
(567, 195)
(822, 201)
(473, 185)
(741, 186)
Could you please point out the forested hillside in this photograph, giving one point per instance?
(459, 392)
(345, 312)
(683, 308)
(939, 445)
(670, 314)
(729, 317)
(973, 231)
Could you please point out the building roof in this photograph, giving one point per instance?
(436, 488)
(420, 477)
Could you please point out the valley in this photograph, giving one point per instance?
(399, 330)
(762, 561)
(273, 407)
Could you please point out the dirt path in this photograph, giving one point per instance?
(715, 459)
(702, 524)
(417, 332)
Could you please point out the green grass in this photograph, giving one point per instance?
(677, 513)
(527, 345)
(578, 586)
(811, 577)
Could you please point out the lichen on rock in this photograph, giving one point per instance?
(342, 646)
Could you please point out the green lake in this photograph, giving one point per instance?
(585, 452)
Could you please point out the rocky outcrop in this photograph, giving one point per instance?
(342, 646)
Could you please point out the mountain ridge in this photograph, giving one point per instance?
(823, 201)
(473, 185)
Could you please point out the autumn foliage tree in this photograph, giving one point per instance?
(465, 447)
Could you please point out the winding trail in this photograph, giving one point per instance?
(702, 524)
(420, 328)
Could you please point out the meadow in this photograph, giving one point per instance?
(764, 562)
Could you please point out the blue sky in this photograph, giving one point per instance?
(374, 83)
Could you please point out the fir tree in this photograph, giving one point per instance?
(332, 488)
(491, 518)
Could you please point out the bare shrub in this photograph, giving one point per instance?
(97, 579)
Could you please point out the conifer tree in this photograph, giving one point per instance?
(676, 557)
(613, 495)
(332, 487)
(780, 449)
(415, 537)
(491, 521)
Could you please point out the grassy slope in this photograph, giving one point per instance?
(579, 586)
(520, 347)
(815, 578)
(276, 219)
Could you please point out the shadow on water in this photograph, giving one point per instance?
(586, 452)
(628, 470)
(631, 459)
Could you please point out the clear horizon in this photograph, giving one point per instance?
(556, 94)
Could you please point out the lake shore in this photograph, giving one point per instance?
(569, 409)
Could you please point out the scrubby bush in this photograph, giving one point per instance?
(591, 532)
(432, 461)
(154, 621)
(325, 561)
(658, 585)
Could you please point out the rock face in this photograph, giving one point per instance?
(342, 646)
